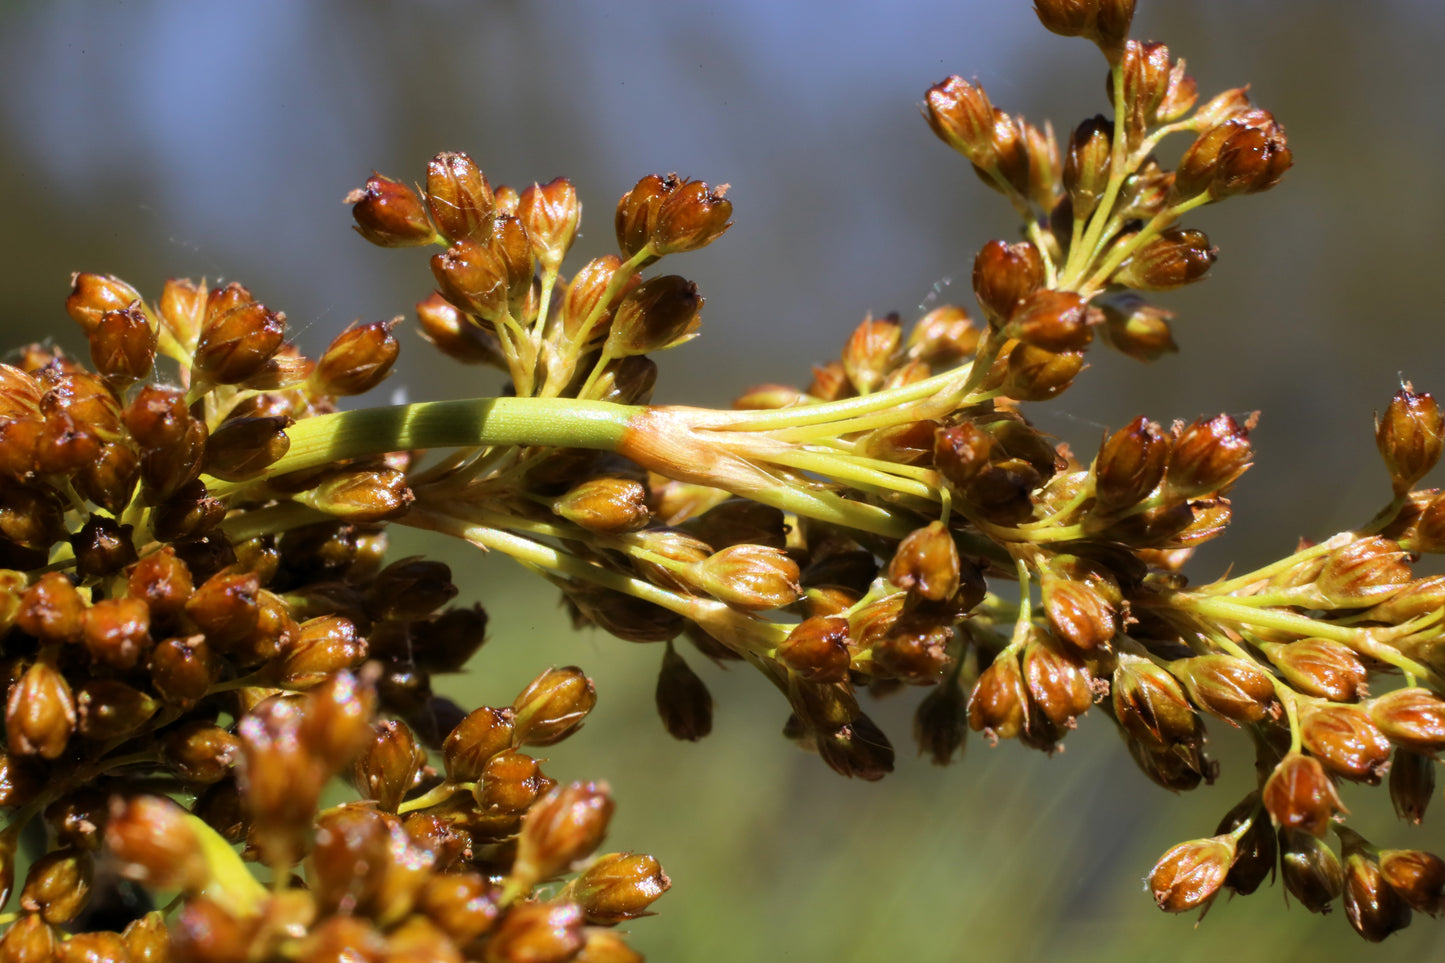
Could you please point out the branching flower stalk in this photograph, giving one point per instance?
(200, 628)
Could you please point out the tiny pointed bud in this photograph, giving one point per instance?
(1365, 571)
(459, 198)
(40, 713)
(238, 336)
(871, 352)
(455, 335)
(1345, 739)
(960, 114)
(998, 704)
(1410, 436)
(561, 829)
(369, 495)
(550, 212)
(1130, 465)
(858, 749)
(817, 649)
(1413, 718)
(1060, 685)
(387, 769)
(1087, 163)
(1151, 705)
(1372, 906)
(1191, 874)
(683, 701)
(92, 295)
(58, 885)
(389, 214)
(1052, 320)
(510, 783)
(241, 448)
(1236, 690)
(638, 212)
(358, 359)
(553, 706)
(1177, 257)
(926, 563)
(480, 736)
(1208, 456)
(109, 709)
(123, 345)
(618, 887)
(691, 216)
(659, 313)
(1312, 872)
(1319, 667)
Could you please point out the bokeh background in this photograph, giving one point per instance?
(152, 138)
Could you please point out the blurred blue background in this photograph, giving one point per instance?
(151, 139)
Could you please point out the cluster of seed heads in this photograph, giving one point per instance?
(200, 630)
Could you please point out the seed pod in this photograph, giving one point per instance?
(1412, 784)
(39, 713)
(618, 887)
(65, 444)
(871, 352)
(605, 504)
(510, 783)
(1060, 686)
(226, 608)
(358, 359)
(550, 213)
(92, 295)
(754, 578)
(28, 940)
(410, 588)
(858, 749)
(1372, 906)
(349, 860)
(553, 706)
(1365, 571)
(238, 336)
(52, 610)
(58, 885)
(584, 314)
(1052, 320)
(1196, 170)
(1034, 374)
(368, 495)
(123, 344)
(1255, 850)
(387, 769)
(962, 117)
(1318, 667)
(659, 313)
(1177, 257)
(459, 198)
(1003, 275)
(463, 904)
(691, 216)
(1151, 705)
(1410, 437)
(155, 843)
(1106, 22)
(1191, 874)
(109, 709)
(1136, 328)
(998, 704)
(480, 736)
(1345, 740)
(1087, 163)
(201, 752)
(1232, 689)
(1208, 456)
(817, 649)
(940, 723)
(1417, 876)
(1312, 872)
(1299, 795)
(473, 277)
(389, 214)
(1130, 466)
(320, 647)
(926, 563)
(961, 452)
(563, 828)
(1413, 718)
(183, 669)
(638, 213)
(544, 932)
(455, 335)
(943, 337)
(682, 698)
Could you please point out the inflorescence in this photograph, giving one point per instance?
(201, 630)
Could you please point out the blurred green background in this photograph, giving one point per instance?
(151, 138)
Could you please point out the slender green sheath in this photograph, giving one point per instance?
(472, 423)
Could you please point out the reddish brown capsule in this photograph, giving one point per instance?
(871, 352)
(1410, 437)
(1311, 871)
(1003, 275)
(1059, 684)
(1413, 718)
(1052, 320)
(691, 216)
(550, 213)
(1345, 740)
(1106, 22)
(1299, 795)
(243, 447)
(454, 334)
(480, 736)
(1208, 457)
(998, 704)
(1177, 257)
(563, 828)
(39, 713)
(1191, 874)
(618, 887)
(358, 359)
(548, 932)
(387, 769)
(1087, 163)
(926, 563)
(123, 344)
(1417, 876)
(1130, 465)
(1234, 689)
(52, 610)
(960, 114)
(1136, 328)
(1319, 667)
(1372, 906)
(683, 702)
(638, 211)
(817, 649)
(605, 504)
(553, 706)
(389, 214)
(92, 295)
(459, 198)
(660, 313)
(117, 631)
(183, 669)
(1151, 705)
(472, 276)
(755, 578)
(961, 452)
(1412, 784)
(238, 336)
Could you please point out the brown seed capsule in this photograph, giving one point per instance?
(1232, 689)
(157, 417)
(454, 334)
(1191, 874)
(1365, 571)
(1151, 705)
(480, 736)
(1299, 795)
(1086, 164)
(1177, 257)
(1412, 784)
(1208, 456)
(1345, 740)
(553, 706)
(683, 702)
(28, 940)
(1417, 876)
(638, 212)
(155, 843)
(183, 669)
(459, 198)
(109, 709)
(550, 213)
(1413, 718)
(561, 829)
(1059, 684)
(358, 359)
(238, 336)
(817, 649)
(1319, 667)
(510, 783)
(961, 452)
(1052, 320)
(473, 277)
(871, 352)
(940, 723)
(201, 752)
(39, 713)
(960, 114)
(389, 214)
(754, 578)
(1372, 906)
(605, 504)
(858, 749)
(226, 608)
(349, 859)
(65, 445)
(369, 495)
(52, 610)
(1312, 872)
(1003, 276)
(410, 588)
(691, 216)
(387, 769)
(92, 295)
(147, 940)
(943, 337)
(926, 563)
(1130, 466)
(320, 647)
(998, 704)
(618, 887)
(1136, 328)
(547, 932)
(1033, 374)
(243, 447)
(1410, 437)
(463, 904)
(659, 313)
(1255, 850)
(1106, 22)
(123, 344)
(58, 885)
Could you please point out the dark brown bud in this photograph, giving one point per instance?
(65, 445)
(550, 213)
(926, 563)
(940, 723)
(618, 887)
(817, 649)
(871, 352)
(109, 709)
(1413, 718)
(553, 706)
(1151, 705)
(1156, 88)
(1052, 320)
(751, 577)
(451, 639)
(110, 479)
(1319, 667)
(1312, 872)
(1372, 906)
(537, 933)
(1417, 876)
(52, 610)
(1191, 874)
(1252, 159)
(387, 769)
(584, 313)
(1345, 740)
(225, 607)
(241, 448)
(1177, 257)
(561, 829)
(410, 588)
(1060, 686)
(1129, 466)
(92, 295)
(358, 359)
(123, 344)
(58, 885)
(659, 313)
(605, 504)
(1106, 22)
(691, 216)
(1003, 275)
(1233, 689)
(183, 669)
(157, 417)
(998, 704)
(320, 647)
(1410, 437)
(960, 453)
(1137, 329)
(473, 276)
(156, 843)
(638, 212)
(1208, 457)
(858, 750)
(455, 335)
(1412, 784)
(962, 117)
(683, 702)
(1299, 795)
(459, 198)
(1034, 374)
(1087, 163)
(201, 752)
(480, 736)
(1256, 851)
(389, 214)
(39, 713)
(238, 336)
